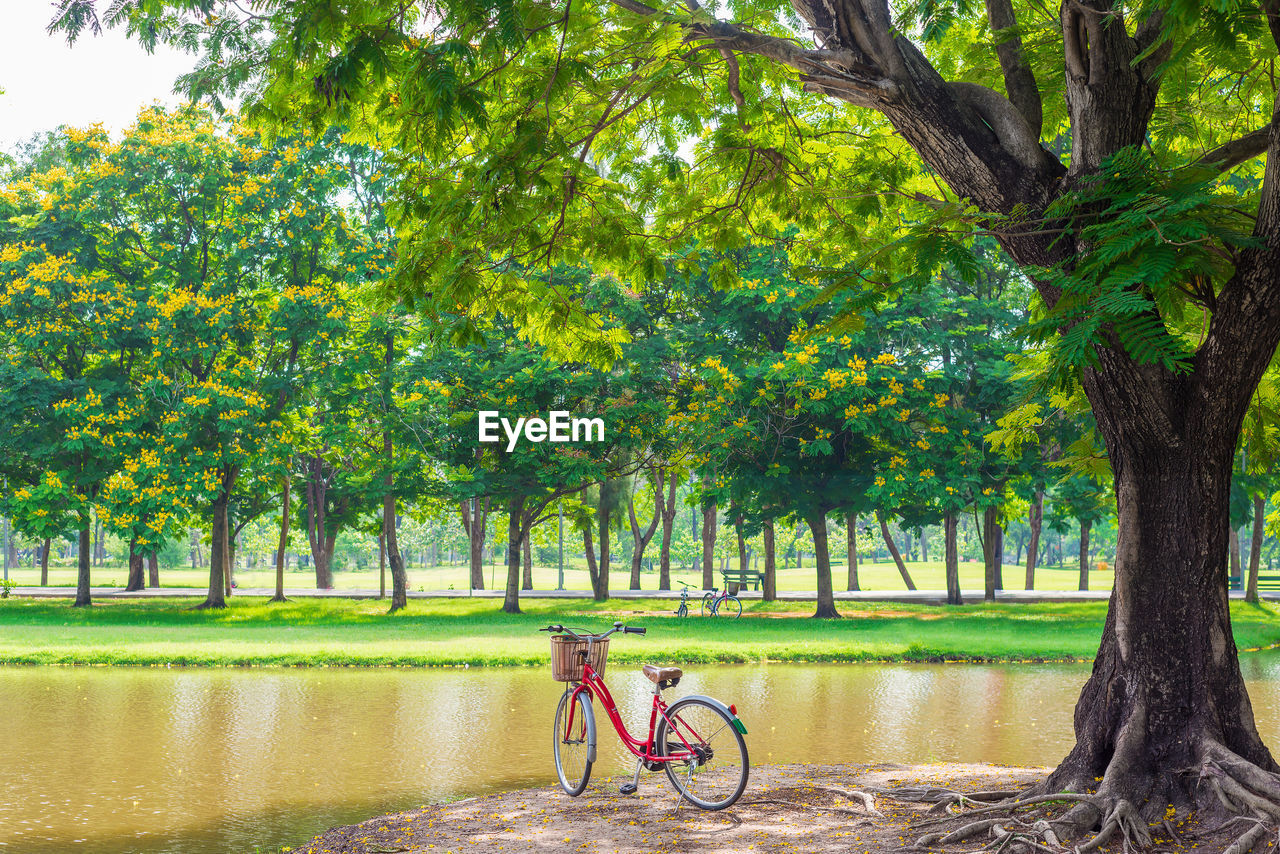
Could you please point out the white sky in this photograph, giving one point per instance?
(105, 78)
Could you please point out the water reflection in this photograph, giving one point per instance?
(194, 761)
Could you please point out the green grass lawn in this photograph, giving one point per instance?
(456, 632)
(872, 576)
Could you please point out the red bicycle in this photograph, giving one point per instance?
(697, 740)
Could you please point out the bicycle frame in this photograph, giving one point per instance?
(592, 685)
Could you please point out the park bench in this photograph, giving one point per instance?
(1266, 581)
(740, 577)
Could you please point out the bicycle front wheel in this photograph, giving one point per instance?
(572, 742)
(714, 777)
(708, 604)
(730, 607)
(683, 610)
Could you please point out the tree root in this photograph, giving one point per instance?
(797, 806)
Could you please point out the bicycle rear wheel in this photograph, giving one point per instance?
(573, 741)
(730, 607)
(715, 777)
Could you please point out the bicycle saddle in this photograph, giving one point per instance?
(661, 674)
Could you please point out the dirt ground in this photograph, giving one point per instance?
(785, 809)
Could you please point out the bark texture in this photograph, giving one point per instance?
(770, 580)
(951, 558)
(1035, 517)
(709, 524)
(1255, 546)
(893, 550)
(822, 557)
(1085, 527)
(84, 567)
(851, 529)
(283, 543)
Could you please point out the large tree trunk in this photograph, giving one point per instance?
(137, 570)
(44, 563)
(851, 530)
(822, 557)
(153, 570)
(1035, 517)
(893, 550)
(770, 584)
(515, 536)
(951, 558)
(1255, 546)
(1147, 715)
(709, 524)
(668, 527)
(395, 558)
(283, 541)
(1084, 553)
(997, 554)
(84, 565)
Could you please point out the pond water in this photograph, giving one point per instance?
(172, 761)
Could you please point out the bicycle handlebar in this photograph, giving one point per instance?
(617, 627)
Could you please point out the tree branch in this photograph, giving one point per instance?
(1019, 81)
(1226, 157)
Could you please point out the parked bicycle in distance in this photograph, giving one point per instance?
(717, 604)
(698, 741)
(683, 610)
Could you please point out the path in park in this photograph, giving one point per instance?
(930, 597)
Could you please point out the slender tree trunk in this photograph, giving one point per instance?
(924, 546)
(1084, 554)
(137, 571)
(382, 560)
(770, 564)
(153, 570)
(997, 554)
(822, 557)
(668, 527)
(217, 554)
(99, 544)
(988, 553)
(474, 525)
(1034, 518)
(515, 536)
(229, 556)
(951, 557)
(893, 550)
(44, 563)
(526, 557)
(851, 523)
(283, 541)
(593, 568)
(84, 565)
(1255, 546)
(742, 547)
(640, 537)
(1235, 553)
(602, 590)
(709, 525)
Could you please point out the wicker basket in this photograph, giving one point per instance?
(566, 664)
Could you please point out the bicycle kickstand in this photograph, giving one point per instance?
(632, 787)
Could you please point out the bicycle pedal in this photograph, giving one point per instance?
(628, 788)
